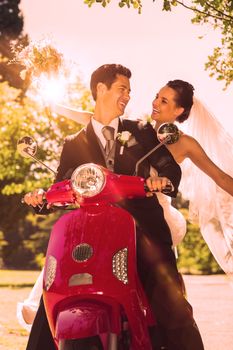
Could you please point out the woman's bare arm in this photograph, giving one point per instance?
(79, 116)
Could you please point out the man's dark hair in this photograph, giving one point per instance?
(107, 74)
(184, 97)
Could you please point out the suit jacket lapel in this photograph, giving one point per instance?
(124, 163)
(94, 147)
(118, 144)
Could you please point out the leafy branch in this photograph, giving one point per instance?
(218, 13)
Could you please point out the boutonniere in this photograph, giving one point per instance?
(126, 139)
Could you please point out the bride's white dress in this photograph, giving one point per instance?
(209, 205)
(32, 302)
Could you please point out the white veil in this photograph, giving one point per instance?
(209, 205)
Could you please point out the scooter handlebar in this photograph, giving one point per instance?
(166, 190)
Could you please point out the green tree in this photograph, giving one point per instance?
(19, 175)
(11, 33)
(194, 256)
(217, 13)
(3, 243)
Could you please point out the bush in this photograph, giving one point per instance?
(194, 254)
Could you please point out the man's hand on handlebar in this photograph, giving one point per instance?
(34, 198)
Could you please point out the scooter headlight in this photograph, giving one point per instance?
(88, 180)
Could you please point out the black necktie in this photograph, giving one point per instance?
(108, 133)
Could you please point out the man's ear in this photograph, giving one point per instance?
(101, 89)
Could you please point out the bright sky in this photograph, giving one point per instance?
(157, 46)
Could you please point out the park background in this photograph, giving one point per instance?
(156, 45)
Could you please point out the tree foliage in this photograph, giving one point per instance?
(217, 13)
(194, 256)
(11, 34)
(20, 116)
(19, 175)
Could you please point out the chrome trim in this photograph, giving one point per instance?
(80, 279)
(50, 271)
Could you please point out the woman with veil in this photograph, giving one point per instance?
(205, 156)
(210, 204)
(205, 152)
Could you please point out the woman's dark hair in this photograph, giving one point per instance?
(107, 74)
(184, 97)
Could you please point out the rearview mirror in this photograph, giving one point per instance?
(168, 133)
(27, 147)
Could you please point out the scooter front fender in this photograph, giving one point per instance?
(83, 320)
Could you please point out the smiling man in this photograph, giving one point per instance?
(98, 143)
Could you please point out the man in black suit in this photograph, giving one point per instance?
(110, 88)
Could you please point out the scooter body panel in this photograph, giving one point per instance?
(103, 231)
(86, 319)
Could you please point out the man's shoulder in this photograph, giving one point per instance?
(129, 122)
(76, 137)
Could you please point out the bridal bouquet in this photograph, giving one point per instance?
(39, 57)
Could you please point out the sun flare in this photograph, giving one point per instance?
(51, 90)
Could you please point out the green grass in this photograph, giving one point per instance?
(18, 278)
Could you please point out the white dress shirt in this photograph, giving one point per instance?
(97, 126)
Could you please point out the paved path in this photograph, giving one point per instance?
(212, 301)
(210, 296)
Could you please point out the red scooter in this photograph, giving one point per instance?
(92, 293)
(90, 283)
